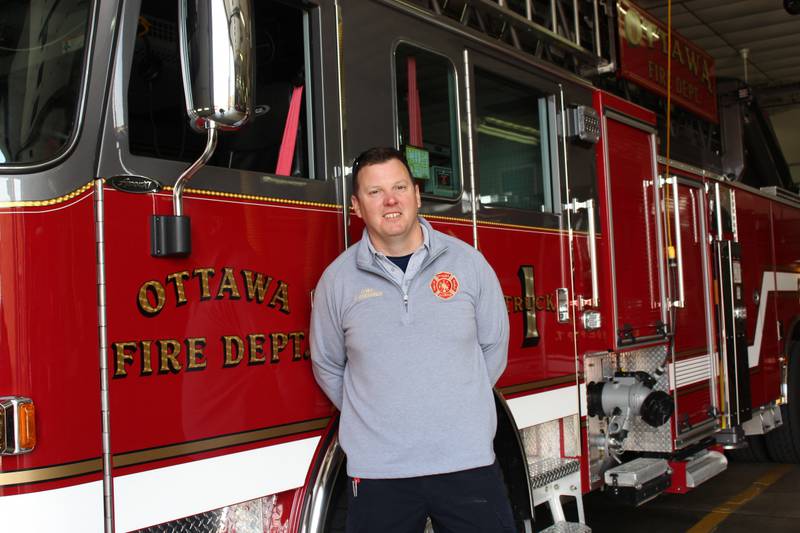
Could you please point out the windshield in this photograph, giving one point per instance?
(41, 66)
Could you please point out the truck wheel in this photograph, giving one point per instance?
(780, 442)
(784, 442)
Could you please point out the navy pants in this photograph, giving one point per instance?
(468, 501)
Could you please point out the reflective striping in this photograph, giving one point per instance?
(186, 448)
(688, 371)
(76, 509)
(164, 494)
(50, 473)
(544, 406)
(89, 466)
(770, 281)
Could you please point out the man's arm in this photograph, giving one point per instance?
(327, 344)
(492, 318)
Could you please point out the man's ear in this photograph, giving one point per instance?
(356, 206)
(419, 198)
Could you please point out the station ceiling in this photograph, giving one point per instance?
(725, 28)
(771, 37)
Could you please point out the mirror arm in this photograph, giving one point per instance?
(180, 184)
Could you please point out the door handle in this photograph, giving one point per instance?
(676, 214)
(575, 206)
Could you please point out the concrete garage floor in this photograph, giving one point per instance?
(746, 498)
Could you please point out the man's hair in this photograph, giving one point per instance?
(376, 156)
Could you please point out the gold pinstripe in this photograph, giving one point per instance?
(304, 203)
(239, 196)
(84, 188)
(51, 201)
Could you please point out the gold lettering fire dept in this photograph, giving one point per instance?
(152, 295)
(171, 356)
(167, 356)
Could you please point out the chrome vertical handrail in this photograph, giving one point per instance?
(576, 206)
(593, 252)
(676, 213)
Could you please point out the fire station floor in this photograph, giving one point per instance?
(746, 498)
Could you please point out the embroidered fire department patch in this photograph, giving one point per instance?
(444, 285)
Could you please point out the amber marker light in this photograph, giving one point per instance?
(26, 426)
(17, 425)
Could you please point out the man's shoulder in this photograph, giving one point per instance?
(344, 263)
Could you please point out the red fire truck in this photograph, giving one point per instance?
(154, 358)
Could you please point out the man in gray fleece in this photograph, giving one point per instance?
(409, 333)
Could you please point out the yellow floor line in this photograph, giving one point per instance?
(710, 522)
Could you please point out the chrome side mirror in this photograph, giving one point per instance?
(217, 60)
(216, 49)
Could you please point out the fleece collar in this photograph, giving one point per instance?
(365, 252)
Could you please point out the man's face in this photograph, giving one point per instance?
(387, 201)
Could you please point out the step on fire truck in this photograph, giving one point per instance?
(174, 179)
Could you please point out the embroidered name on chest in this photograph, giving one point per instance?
(444, 285)
(368, 293)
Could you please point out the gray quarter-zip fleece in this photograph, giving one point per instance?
(410, 361)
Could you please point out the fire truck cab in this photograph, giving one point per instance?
(174, 178)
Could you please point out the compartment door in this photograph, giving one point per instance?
(692, 372)
(636, 251)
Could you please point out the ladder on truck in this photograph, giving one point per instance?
(577, 35)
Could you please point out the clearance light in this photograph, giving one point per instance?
(17, 425)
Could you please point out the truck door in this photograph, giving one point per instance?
(638, 288)
(54, 64)
(519, 173)
(212, 396)
(693, 374)
(538, 248)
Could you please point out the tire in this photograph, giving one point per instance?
(780, 441)
(793, 405)
(783, 443)
(755, 452)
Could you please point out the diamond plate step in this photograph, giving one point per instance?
(545, 470)
(567, 527)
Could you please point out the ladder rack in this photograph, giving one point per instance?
(575, 34)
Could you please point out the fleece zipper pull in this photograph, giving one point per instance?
(405, 301)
